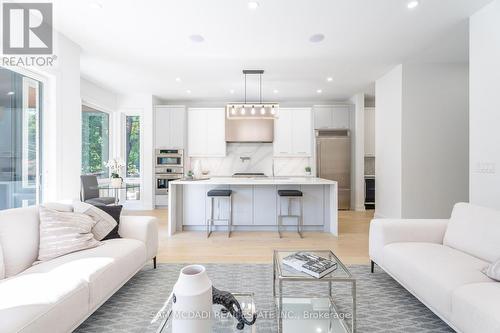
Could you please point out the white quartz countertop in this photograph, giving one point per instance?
(256, 181)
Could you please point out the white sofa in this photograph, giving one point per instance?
(440, 262)
(58, 295)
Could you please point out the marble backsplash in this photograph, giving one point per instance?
(260, 160)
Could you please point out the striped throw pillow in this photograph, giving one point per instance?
(64, 232)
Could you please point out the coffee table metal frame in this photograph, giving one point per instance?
(278, 275)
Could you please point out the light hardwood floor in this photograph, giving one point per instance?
(256, 247)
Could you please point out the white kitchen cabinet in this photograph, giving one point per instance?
(313, 204)
(293, 132)
(332, 116)
(216, 132)
(282, 144)
(177, 127)
(196, 196)
(341, 116)
(369, 131)
(206, 132)
(264, 205)
(301, 132)
(322, 117)
(170, 122)
(242, 205)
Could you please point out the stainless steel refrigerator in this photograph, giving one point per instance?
(333, 161)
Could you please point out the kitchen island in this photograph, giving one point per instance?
(255, 204)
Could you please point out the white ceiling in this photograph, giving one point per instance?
(143, 46)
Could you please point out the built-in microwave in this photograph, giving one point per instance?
(169, 158)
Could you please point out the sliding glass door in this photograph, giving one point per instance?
(20, 119)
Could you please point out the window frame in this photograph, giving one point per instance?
(111, 132)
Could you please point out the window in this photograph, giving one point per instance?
(95, 142)
(133, 146)
(20, 119)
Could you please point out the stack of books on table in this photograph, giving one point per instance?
(310, 264)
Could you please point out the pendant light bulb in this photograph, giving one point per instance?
(253, 109)
(273, 111)
(262, 111)
(242, 110)
(233, 111)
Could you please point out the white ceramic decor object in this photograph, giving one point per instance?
(197, 169)
(116, 182)
(192, 301)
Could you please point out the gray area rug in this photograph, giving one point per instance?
(383, 305)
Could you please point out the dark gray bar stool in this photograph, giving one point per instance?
(226, 194)
(290, 195)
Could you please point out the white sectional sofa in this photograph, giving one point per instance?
(58, 295)
(441, 263)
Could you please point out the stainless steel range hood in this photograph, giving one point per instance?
(249, 130)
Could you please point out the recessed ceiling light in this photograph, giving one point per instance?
(95, 5)
(10, 93)
(231, 91)
(188, 91)
(329, 79)
(253, 5)
(319, 91)
(316, 38)
(275, 91)
(178, 79)
(197, 38)
(413, 4)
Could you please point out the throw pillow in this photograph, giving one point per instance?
(60, 207)
(105, 223)
(63, 233)
(493, 271)
(114, 211)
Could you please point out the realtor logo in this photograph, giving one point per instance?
(27, 28)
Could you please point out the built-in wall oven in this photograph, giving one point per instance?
(169, 166)
(162, 181)
(169, 158)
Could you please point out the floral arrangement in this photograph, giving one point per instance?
(115, 165)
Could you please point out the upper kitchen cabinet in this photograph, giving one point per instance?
(170, 122)
(332, 116)
(293, 132)
(206, 132)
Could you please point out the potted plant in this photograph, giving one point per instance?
(190, 174)
(308, 170)
(115, 165)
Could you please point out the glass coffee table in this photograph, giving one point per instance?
(301, 313)
(223, 322)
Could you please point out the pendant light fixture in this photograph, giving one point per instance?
(258, 110)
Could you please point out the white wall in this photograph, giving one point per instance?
(97, 96)
(485, 106)
(421, 140)
(388, 142)
(358, 153)
(435, 132)
(62, 119)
